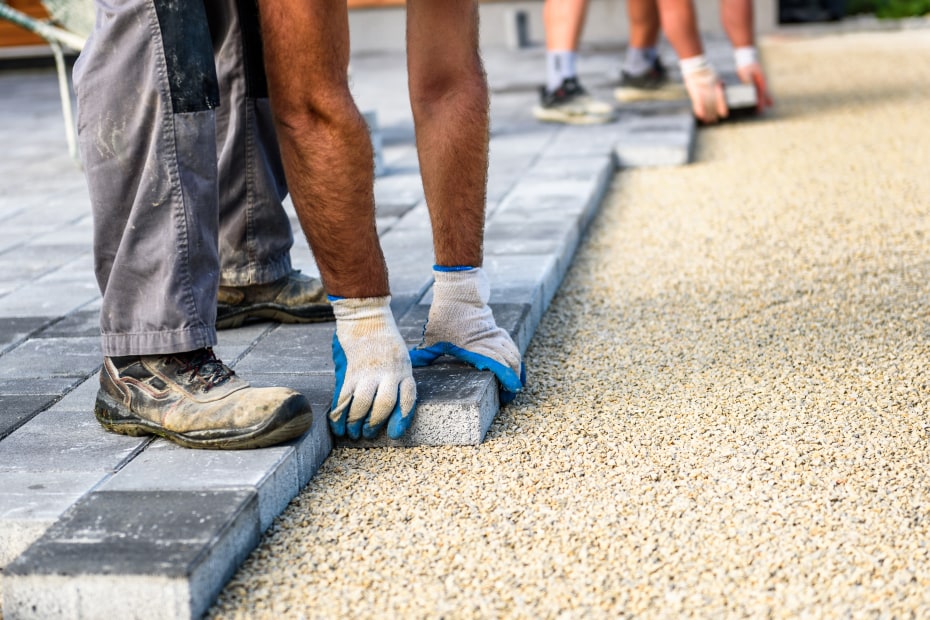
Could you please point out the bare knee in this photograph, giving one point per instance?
(299, 112)
(466, 84)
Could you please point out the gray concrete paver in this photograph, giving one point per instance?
(30, 502)
(271, 472)
(172, 550)
(52, 357)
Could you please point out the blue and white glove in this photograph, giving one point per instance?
(461, 325)
(374, 378)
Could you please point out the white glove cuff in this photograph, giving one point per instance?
(695, 64)
(745, 56)
(469, 286)
(354, 308)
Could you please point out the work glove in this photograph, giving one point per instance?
(461, 325)
(374, 379)
(705, 88)
(750, 71)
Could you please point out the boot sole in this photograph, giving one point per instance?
(116, 418)
(270, 312)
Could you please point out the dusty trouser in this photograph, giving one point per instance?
(182, 165)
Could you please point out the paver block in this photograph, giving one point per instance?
(80, 323)
(741, 96)
(66, 441)
(537, 236)
(15, 329)
(81, 397)
(276, 473)
(586, 141)
(455, 406)
(655, 140)
(316, 444)
(523, 278)
(38, 385)
(164, 466)
(52, 357)
(50, 297)
(416, 219)
(409, 257)
(554, 166)
(233, 344)
(31, 262)
(566, 200)
(30, 502)
(395, 194)
(527, 204)
(17, 409)
(517, 319)
(291, 349)
(134, 554)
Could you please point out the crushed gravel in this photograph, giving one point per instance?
(727, 412)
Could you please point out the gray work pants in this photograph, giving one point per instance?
(182, 165)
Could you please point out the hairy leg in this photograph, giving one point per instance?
(449, 98)
(644, 23)
(325, 146)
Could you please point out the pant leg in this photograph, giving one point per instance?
(255, 233)
(146, 88)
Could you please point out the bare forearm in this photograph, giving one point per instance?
(452, 145)
(449, 97)
(324, 142)
(331, 187)
(737, 18)
(679, 22)
(644, 23)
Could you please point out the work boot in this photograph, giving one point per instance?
(571, 104)
(653, 85)
(294, 298)
(195, 400)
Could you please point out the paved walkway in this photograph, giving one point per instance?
(90, 522)
(726, 413)
(728, 408)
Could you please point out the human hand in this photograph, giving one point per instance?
(462, 325)
(750, 71)
(374, 378)
(705, 89)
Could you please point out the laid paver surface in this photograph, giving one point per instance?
(545, 185)
(726, 409)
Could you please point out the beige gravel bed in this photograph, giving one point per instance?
(728, 400)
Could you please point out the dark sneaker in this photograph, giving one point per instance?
(195, 400)
(571, 104)
(654, 85)
(295, 298)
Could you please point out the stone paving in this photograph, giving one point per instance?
(92, 522)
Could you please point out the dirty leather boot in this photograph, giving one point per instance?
(294, 298)
(195, 400)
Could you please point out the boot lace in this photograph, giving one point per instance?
(204, 365)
